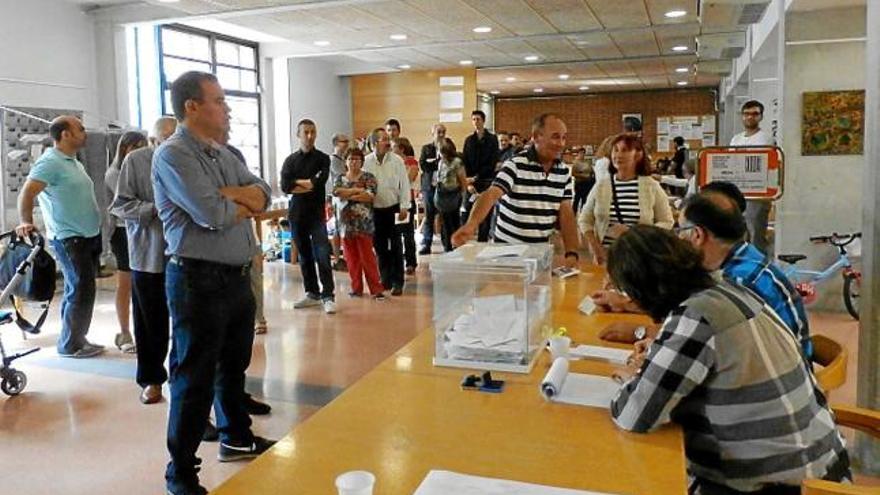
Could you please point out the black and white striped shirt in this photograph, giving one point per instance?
(529, 209)
(627, 199)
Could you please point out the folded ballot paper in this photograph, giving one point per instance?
(446, 482)
(493, 332)
(574, 388)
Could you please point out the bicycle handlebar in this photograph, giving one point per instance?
(836, 239)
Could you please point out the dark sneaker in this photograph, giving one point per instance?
(424, 251)
(189, 487)
(86, 351)
(255, 407)
(230, 452)
(211, 434)
(397, 291)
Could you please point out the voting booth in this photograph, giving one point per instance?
(492, 306)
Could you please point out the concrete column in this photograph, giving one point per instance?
(868, 451)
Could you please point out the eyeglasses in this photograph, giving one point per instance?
(683, 228)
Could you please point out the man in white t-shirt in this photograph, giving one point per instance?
(757, 211)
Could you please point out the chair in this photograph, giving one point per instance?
(832, 357)
(864, 420)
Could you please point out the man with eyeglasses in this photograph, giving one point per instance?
(337, 168)
(758, 211)
(713, 222)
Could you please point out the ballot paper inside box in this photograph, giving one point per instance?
(491, 306)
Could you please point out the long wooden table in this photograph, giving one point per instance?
(407, 417)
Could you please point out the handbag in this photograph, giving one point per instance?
(37, 283)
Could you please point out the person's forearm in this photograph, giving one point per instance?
(251, 197)
(362, 197)
(26, 207)
(481, 208)
(568, 227)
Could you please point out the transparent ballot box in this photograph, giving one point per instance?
(492, 306)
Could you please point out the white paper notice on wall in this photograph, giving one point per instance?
(748, 171)
(452, 81)
(663, 125)
(662, 143)
(708, 123)
(708, 139)
(452, 99)
(450, 117)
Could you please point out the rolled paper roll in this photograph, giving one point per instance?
(552, 383)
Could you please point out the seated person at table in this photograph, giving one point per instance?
(725, 370)
(713, 223)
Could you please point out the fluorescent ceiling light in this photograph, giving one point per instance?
(682, 70)
(825, 41)
(482, 29)
(672, 14)
(372, 45)
(581, 42)
(510, 79)
(495, 92)
(682, 83)
(234, 30)
(168, 1)
(538, 90)
(679, 48)
(584, 88)
(531, 58)
(466, 62)
(564, 77)
(404, 66)
(398, 37)
(322, 43)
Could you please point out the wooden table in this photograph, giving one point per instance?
(407, 417)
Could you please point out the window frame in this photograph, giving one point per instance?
(213, 38)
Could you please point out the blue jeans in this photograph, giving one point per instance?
(78, 257)
(430, 215)
(310, 236)
(212, 321)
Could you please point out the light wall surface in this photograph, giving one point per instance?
(319, 94)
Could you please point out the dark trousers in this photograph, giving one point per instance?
(451, 223)
(430, 216)
(78, 257)
(485, 226)
(581, 191)
(310, 236)
(150, 311)
(389, 249)
(407, 233)
(212, 318)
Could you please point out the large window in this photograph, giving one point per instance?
(234, 62)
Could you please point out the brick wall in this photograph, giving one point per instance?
(590, 118)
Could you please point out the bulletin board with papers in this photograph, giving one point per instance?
(698, 131)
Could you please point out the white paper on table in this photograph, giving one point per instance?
(616, 356)
(452, 99)
(508, 250)
(446, 482)
(575, 388)
(587, 306)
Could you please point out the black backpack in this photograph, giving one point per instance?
(38, 281)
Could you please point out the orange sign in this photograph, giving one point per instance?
(756, 170)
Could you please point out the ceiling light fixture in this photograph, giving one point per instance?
(581, 42)
(510, 79)
(584, 88)
(322, 43)
(682, 83)
(680, 48)
(538, 90)
(404, 66)
(168, 1)
(564, 77)
(531, 58)
(372, 45)
(682, 70)
(495, 92)
(482, 29)
(672, 14)
(466, 62)
(398, 37)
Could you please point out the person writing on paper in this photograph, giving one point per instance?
(534, 192)
(629, 197)
(724, 369)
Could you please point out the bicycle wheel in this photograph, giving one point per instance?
(852, 290)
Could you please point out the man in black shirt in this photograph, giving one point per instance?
(481, 156)
(304, 176)
(680, 157)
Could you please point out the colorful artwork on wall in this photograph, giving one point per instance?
(833, 123)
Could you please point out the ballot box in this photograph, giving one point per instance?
(492, 306)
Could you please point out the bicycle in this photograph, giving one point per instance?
(805, 280)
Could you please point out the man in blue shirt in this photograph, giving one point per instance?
(204, 196)
(70, 210)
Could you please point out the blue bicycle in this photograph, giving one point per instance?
(805, 280)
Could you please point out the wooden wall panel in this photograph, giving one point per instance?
(413, 98)
(590, 118)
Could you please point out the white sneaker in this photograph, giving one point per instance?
(306, 302)
(330, 306)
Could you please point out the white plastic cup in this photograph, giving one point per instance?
(559, 347)
(355, 483)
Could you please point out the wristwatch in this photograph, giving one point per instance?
(640, 333)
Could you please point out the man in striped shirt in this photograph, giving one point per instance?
(723, 369)
(534, 193)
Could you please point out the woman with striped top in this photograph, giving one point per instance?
(726, 370)
(629, 197)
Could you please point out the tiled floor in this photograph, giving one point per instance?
(79, 429)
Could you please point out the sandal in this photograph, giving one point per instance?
(125, 343)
